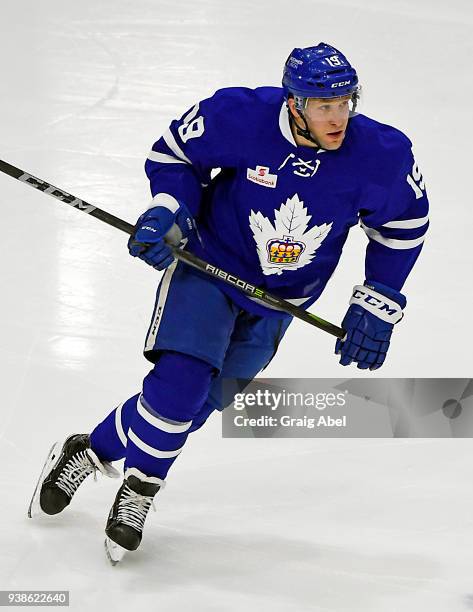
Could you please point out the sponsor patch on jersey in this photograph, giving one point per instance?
(262, 176)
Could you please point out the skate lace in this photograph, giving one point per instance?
(133, 508)
(74, 472)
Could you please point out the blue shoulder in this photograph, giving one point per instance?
(383, 150)
(232, 104)
(241, 113)
(261, 96)
(379, 138)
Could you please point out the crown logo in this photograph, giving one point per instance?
(284, 251)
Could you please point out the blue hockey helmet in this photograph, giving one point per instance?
(319, 72)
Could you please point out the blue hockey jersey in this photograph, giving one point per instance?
(277, 214)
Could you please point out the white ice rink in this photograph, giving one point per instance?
(244, 525)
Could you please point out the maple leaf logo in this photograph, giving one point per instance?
(286, 245)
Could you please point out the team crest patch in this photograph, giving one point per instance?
(288, 244)
(261, 176)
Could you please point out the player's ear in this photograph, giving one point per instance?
(292, 106)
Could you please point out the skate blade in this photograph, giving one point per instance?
(34, 509)
(114, 551)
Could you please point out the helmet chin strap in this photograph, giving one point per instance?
(304, 132)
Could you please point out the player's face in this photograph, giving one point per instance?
(328, 119)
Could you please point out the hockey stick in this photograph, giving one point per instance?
(184, 256)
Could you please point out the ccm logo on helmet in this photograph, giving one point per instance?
(341, 84)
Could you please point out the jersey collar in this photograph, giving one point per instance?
(284, 124)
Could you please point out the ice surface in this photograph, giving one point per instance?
(280, 525)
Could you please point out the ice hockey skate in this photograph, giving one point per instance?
(127, 516)
(67, 465)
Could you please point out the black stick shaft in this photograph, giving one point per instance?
(247, 288)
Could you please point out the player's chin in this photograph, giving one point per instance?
(332, 146)
(333, 143)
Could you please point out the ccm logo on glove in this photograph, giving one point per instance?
(376, 303)
(373, 311)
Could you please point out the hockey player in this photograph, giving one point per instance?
(266, 184)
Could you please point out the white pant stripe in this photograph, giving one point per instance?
(157, 316)
(159, 423)
(150, 450)
(119, 425)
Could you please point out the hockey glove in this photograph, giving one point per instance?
(374, 310)
(167, 223)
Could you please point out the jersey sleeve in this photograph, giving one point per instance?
(204, 138)
(396, 225)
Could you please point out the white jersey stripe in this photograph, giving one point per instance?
(175, 148)
(295, 301)
(159, 423)
(392, 243)
(162, 158)
(165, 200)
(150, 450)
(119, 425)
(407, 223)
(298, 301)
